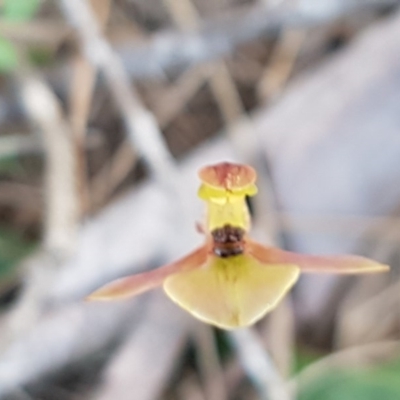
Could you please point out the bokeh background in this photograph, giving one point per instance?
(107, 110)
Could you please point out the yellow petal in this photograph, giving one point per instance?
(139, 283)
(231, 292)
(341, 264)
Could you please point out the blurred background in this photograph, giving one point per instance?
(107, 110)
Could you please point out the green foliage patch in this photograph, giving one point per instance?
(12, 249)
(20, 10)
(381, 383)
(8, 56)
(14, 11)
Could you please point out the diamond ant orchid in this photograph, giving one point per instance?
(231, 281)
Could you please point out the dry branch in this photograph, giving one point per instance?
(258, 365)
(147, 359)
(209, 362)
(62, 209)
(213, 39)
(141, 125)
(38, 31)
(61, 338)
(22, 144)
(80, 99)
(112, 174)
(18, 144)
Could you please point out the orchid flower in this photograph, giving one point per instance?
(231, 281)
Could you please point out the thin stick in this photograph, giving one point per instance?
(220, 36)
(41, 31)
(258, 365)
(18, 144)
(112, 174)
(82, 86)
(62, 209)
(140, 123)
(222, 85)
(279, 333)
(209, 363)
(282, 63)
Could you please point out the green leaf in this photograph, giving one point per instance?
(40, 57)
(377, 384)
(12, 249)
(20, 10)
(8, 56)
(9, 164)
(304, 357)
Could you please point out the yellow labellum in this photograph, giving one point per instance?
(231, 292)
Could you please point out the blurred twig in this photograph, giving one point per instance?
(62, 201)
(357, 322)
(20, 195)
(82, 86)
(172, 101)
(386, 228)
(281, 65)
(146, 360)
(37, 31)
(280, 334)
(62, 216)
(147, 139)
(209, 363)
(258, 365)
(143, 131)
(218, 37)
(17, 144)
(112, 174)
(221, 82)
(191, 389)
(61, 338)
(141, 125)
(377, 299)
(20, 144)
